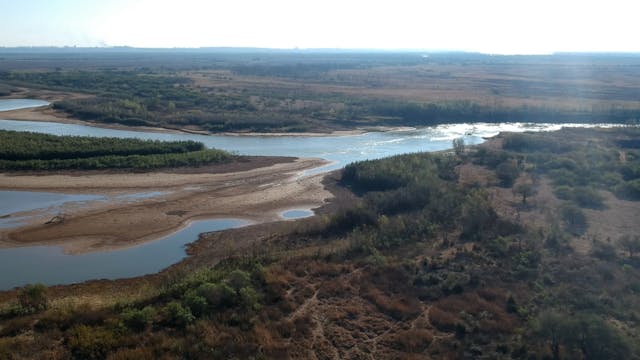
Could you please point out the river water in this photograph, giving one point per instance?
(49, 265)
(15, 104)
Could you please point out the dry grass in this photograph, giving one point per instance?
(567, 86)
(492, 315)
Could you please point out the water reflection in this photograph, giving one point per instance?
(50, 265)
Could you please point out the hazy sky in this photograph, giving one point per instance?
(490, 26)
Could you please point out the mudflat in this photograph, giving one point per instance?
(256, 189)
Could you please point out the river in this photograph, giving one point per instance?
(49, 265)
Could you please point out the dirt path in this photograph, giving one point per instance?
(257, 194)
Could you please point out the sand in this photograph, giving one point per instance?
(256, 194)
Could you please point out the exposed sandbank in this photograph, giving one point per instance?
(256, 194)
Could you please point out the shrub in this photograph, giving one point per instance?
(630, 172)
(196, 303)
(574, 219)
(455, 283)
(238, 279)
(557, 240)
(217, 295)
(33, 298)
(563, 192)
(478, 216)
(588, 198)
(507, 172)
(498, 246)
(90, 342)
(249, 298)
(138, 320)
(526, 264)
(604, 251)
(629, 190)
(563, 177)
(177, 315)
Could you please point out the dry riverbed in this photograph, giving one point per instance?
(256, 189)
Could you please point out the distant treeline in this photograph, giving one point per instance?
(425, 114)
(31, 151)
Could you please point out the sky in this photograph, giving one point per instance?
(488, 26)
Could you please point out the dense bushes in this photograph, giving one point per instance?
(229, 295)
(585, 197)
(406, 184)
(414, 197)
(579, 335)
(629, 190)
(577, 168)
(30, 151)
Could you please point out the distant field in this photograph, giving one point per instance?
(267, 91)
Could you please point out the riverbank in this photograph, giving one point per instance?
(48, 114)
(255, 193)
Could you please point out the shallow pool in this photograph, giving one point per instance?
(51, 266)
(296, 214)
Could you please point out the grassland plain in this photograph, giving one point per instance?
(263, 91)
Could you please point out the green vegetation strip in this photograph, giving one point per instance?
(31, 151)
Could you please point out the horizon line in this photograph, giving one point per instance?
(318, 49)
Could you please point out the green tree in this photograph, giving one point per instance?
(557, 240)
(507, 172)
(178, 315)
(458, 146)
(477, 215)
(525, 190)
(575, 221)
(553, 328)
(596, 339)
(138, 319)
(630, 244)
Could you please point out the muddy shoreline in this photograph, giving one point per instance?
(256, 194)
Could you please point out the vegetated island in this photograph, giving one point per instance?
(32, 151)
(523, 247)
(196, 182)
